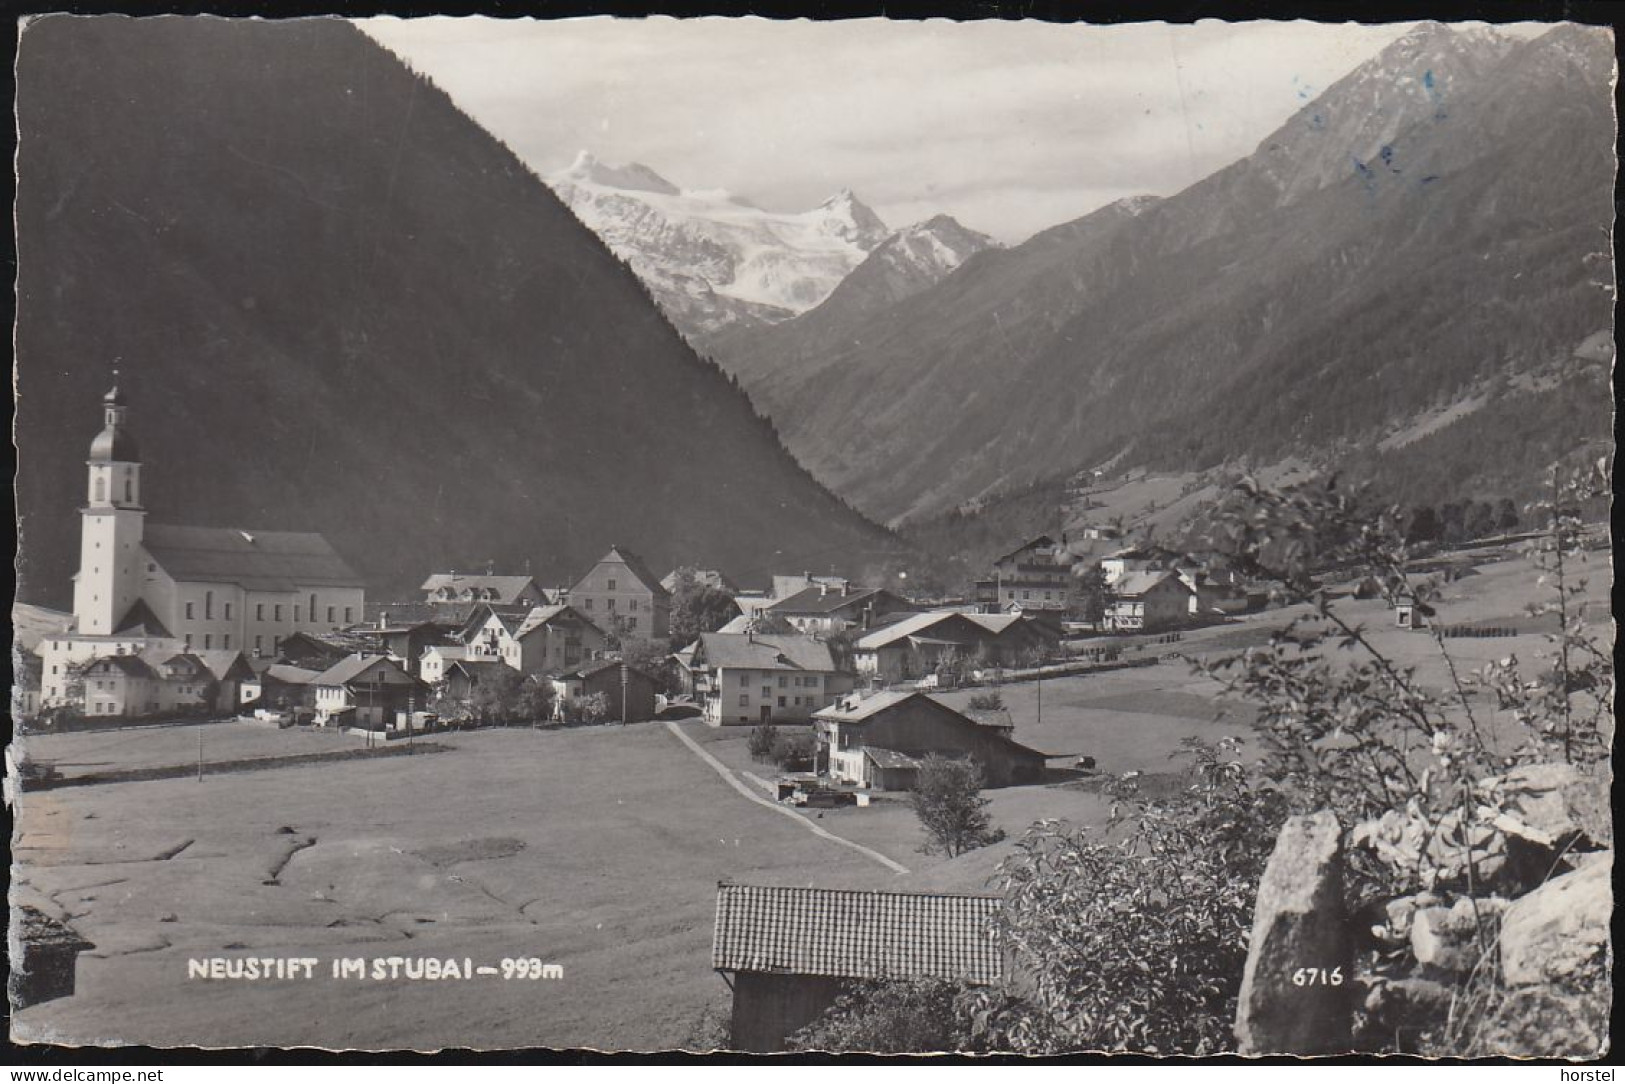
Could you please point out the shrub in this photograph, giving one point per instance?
(1138, 942)
(763, 740)
(794, 750)
(919, 1016)
(990, 701)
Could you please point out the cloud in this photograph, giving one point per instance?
(1011, 125)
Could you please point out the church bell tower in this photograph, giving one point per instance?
(109, 579)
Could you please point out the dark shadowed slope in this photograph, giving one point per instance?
(340, 305)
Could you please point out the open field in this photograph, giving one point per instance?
(597, 849)
(89, 751)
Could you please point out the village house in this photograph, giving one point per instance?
(366, 691)
(1119, 563)
(407, 641)
(623, 598)
(144, 586)
(140, 685)
(785, 586)
(453, 590)
(787, 953)
(755, 678)
(824, 610)
(919, 644)
(878, 742)
(437, 659)
(462, 676)
(280, 687)
(1149, 601)
(1035, 576)
(543, 640)
(628, 691)
(701, 577)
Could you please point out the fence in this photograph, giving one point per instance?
(1471, 632)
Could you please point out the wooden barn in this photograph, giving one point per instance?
(787, 953)
(878, 741)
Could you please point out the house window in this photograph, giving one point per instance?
(313, 605)
(744, 678)
(129, 489)
(783, 681)
(188, 641)
(586, 603)
(208, 642)
(611, 586)
(767, 692)
(744, 700)
(278, 611)
(276, 643)
(297, 614)
(228, 611)
(259, 611)
(208, 605)
(632, 605)
(188, 611)
(609, 604)
(631, 622)
(330, 615)
(259, 642)
(101, 489)
(225, 641)
(781, 701)
(347, 617)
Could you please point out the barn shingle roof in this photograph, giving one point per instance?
(857, 935)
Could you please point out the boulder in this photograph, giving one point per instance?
(1549, 933)
(1297, 986)
(1447, 941)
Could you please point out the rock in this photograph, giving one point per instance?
(1447, 941)
(168, 916)
(1301, 932)
(1413, 1004)
(1552, 931)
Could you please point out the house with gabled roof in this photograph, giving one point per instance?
(878, 741)
(824, 609)
(788, 952)
(1037, 575)
(1149, 600)
(918, 644)
(366, 691)
(628, 691)
(454, 589)
(755, 678)
(623, 597)
(154, 682)
(541, 640)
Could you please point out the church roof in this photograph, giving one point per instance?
(253, 560)
(114, 445)
(141, 621)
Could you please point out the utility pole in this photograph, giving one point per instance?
(623, 692)
(200, 752)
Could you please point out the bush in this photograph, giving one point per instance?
(794, 751)
(920, 1016)
(763, 740)
(1138, 943)
(991, 701)
(948, 800)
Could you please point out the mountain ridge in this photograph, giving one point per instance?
(342, 306)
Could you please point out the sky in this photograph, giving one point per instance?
(1011, 127)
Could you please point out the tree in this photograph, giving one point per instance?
(762, 741)
(494, 699)
(1423, 526)
(1506, 515)
(1094, 595)
(947, 798)
(650, 658)
(696, 607)
(991, 701)
(592, 709)
(534, 702)
(794, 750)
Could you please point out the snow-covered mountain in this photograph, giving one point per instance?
(711, 259)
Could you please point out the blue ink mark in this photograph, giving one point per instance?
(1427, 79)
(1317, 122)
(1429, 179)
(1368, 176)
(1387, 154)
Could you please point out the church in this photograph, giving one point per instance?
(155, 591)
